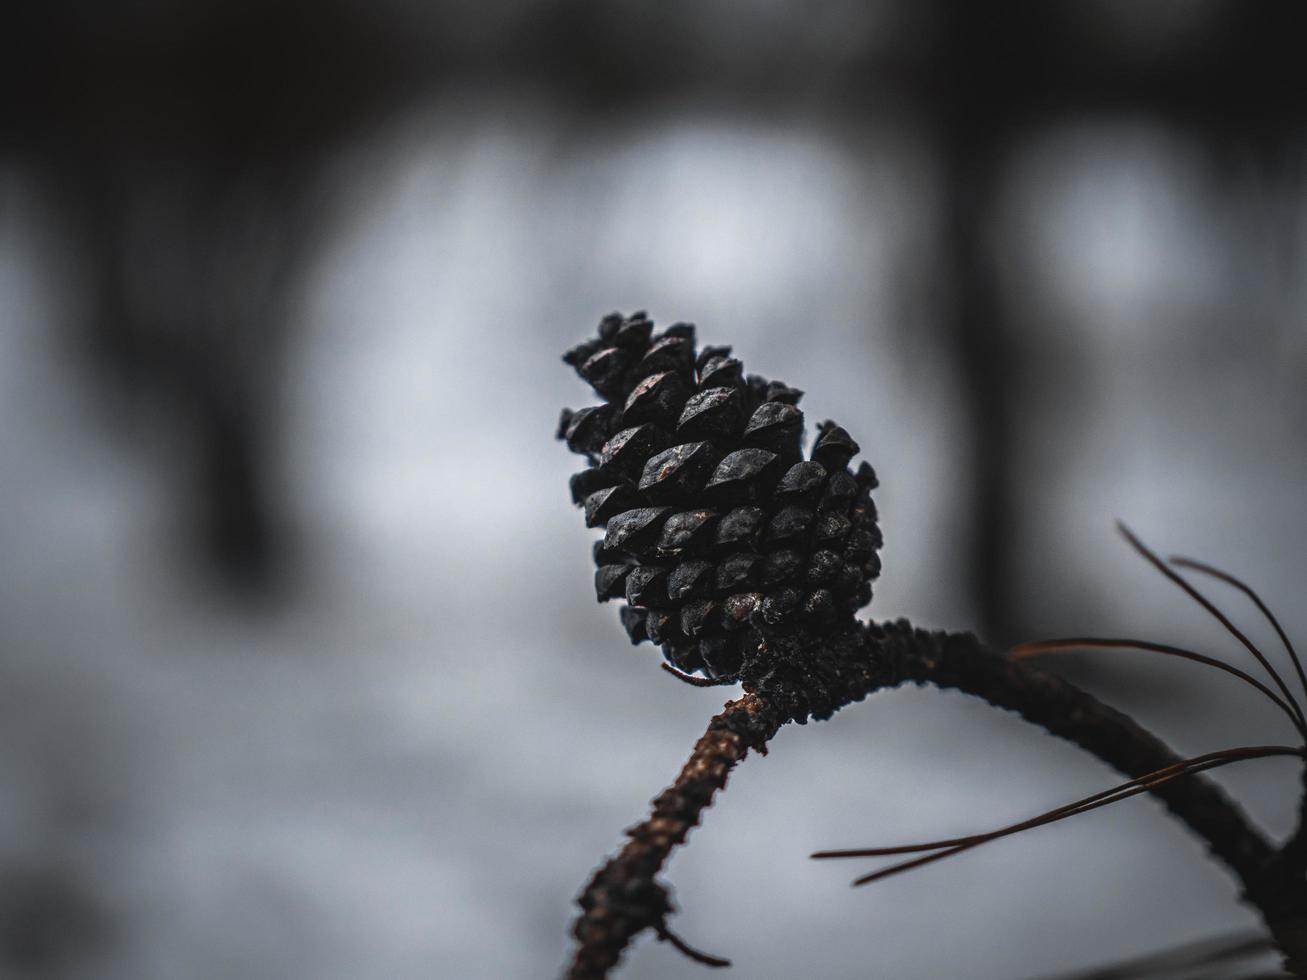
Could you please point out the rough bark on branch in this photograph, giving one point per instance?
(795, 682)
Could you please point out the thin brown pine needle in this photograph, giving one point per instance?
(1024, 650)
(1040, 822)
(1142, 784)
(1145, 781)
(1148, 555)
(1065, 808)
(1248, 590)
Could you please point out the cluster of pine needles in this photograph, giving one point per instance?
(1285, 701)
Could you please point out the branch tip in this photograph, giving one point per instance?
(665, 934)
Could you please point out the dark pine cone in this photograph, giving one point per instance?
(718, 530)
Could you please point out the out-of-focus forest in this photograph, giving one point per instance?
(300, 669)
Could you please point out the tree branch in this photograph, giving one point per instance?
(623, 899)
(958, 661)
(795, 681)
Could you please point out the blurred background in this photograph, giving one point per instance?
(300, 670)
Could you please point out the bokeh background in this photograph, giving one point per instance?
(300, 670)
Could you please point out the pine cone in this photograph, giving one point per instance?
(718, 531)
